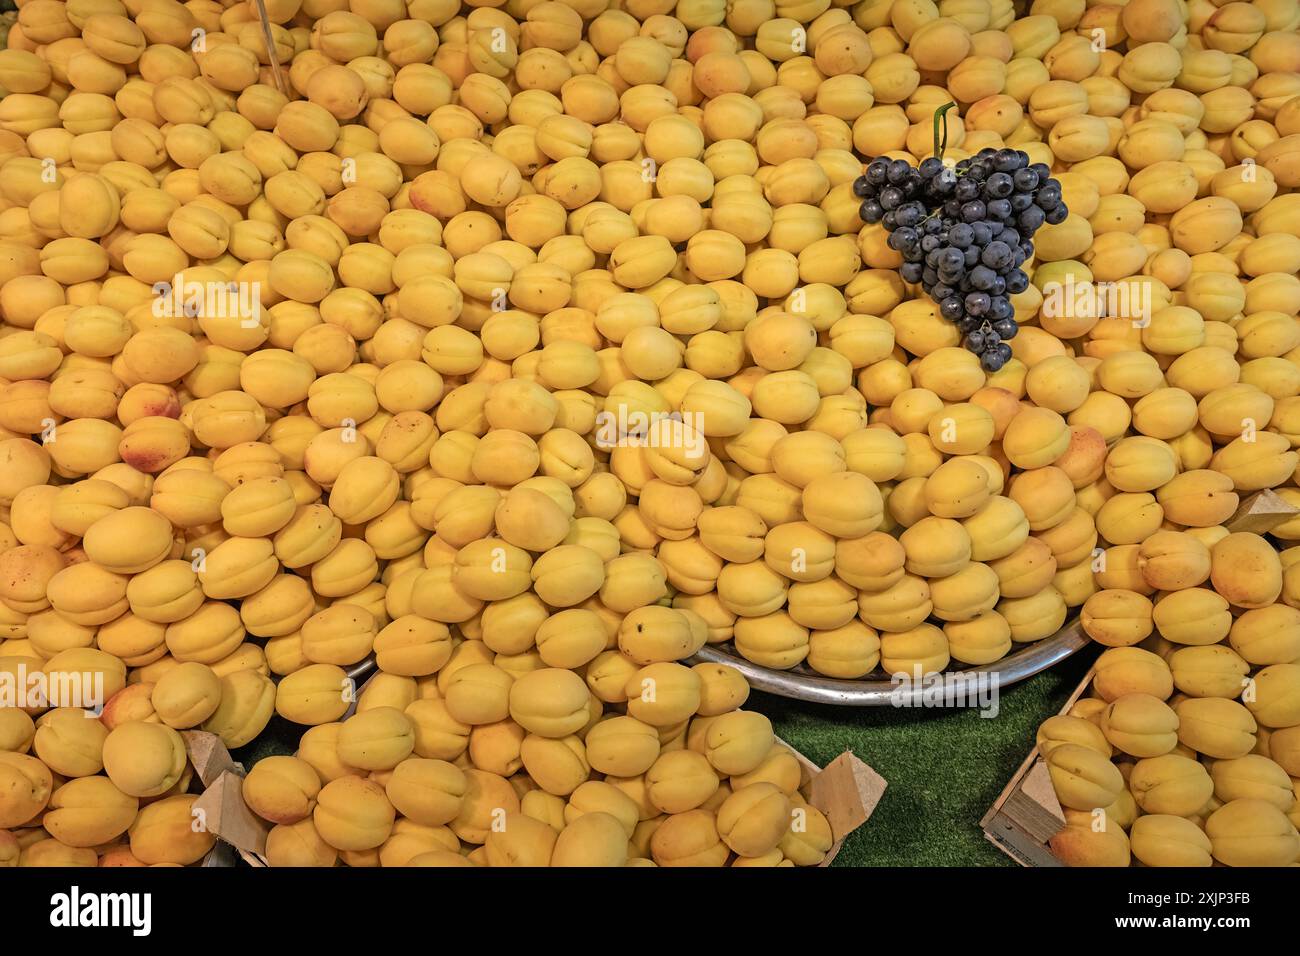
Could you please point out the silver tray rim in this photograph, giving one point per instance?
(802, 685)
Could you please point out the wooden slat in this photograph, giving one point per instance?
(1003, 832)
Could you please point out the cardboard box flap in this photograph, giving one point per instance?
(1261, 513)
(209, 756)
(228, 818)
(847, 792)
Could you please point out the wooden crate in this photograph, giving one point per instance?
(846, 790)
(1026, 815)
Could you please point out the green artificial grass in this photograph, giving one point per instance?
(944, 767)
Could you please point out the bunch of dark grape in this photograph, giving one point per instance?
(964, 232)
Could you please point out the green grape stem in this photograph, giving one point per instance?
(940, 146)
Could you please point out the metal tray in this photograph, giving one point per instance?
(801, 683)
